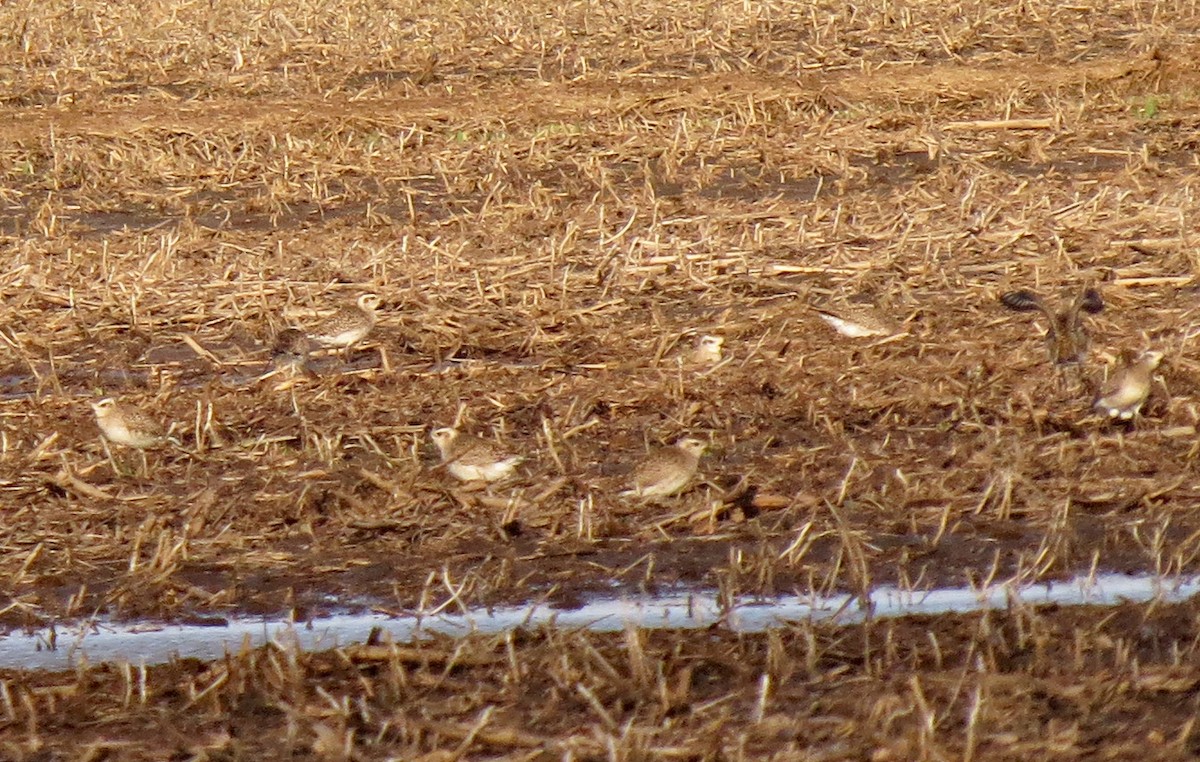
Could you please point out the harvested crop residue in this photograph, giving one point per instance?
(1040, 683)
(555, 201)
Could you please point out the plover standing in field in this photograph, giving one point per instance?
(1066, 336)
(128, 426)
(471, 458)
(708, 350)
(667, 470)
(703, 354)
(857, 320)
(1122, 397)
(349, 325)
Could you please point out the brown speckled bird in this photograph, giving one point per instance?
(1122, 397)
(1066, 336)
(857, 320)
(126, 425)
(667, 470)
(708, 350)
(473, 459)
(349, 325)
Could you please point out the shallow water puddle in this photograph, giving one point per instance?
(143, 643)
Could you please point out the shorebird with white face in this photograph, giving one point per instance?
(666, 470)
(701, 355)
(1123, 396)
(349, 325)
(708, 350)
(128, 426)
(473, 459)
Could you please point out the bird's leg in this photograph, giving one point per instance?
(112, 461)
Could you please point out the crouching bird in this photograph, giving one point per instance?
(473, 459)
(667, 470)
(1121, 399)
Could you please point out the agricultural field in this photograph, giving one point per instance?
(554, 203)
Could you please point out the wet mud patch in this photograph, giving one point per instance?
(555, 201)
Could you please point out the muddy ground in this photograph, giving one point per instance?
(554, 201)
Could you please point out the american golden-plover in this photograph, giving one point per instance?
(1121, 399)
(667, 470)
(349, 325)
(708, 350)
(471, 458)
(126, 425)
(1066, 336)
(857, 320)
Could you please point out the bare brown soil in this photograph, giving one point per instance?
(550, 200)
